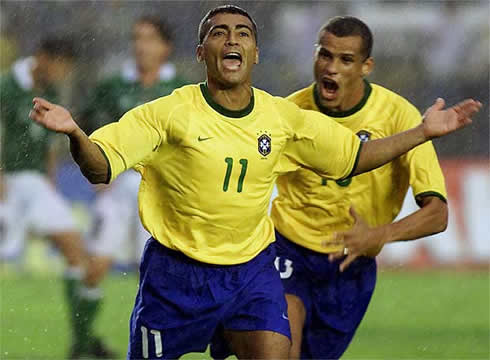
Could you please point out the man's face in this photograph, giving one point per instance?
(150, 49)
(229, 49)
(51, 70)
(339, 69)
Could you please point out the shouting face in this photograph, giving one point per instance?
(229, 50)
(339, 69)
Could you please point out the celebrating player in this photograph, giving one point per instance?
(316, 217)
(209, 155)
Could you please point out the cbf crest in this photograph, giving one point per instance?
(264, 143)
(364, 135)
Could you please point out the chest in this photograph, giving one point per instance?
(230, 152)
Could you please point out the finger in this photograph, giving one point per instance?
(36, 115)
(337, 239)
(348, 260)
(335, 256)
(39, 107)
(42, 102)
(354, 214)
(467, 107)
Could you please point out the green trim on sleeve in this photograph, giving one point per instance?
(109, 171)
(356, 161)
(222, 110)
(429, 193)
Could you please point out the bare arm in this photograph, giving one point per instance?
(430, 219)
(363, 240)
(87, 154)
(437, 122)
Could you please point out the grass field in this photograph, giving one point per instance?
(426, 315)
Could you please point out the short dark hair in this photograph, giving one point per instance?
(58, 47)
(224, 9)
(341, 26)
(159, 24)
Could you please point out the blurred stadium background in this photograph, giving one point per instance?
(432, 299)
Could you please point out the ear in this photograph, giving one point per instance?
(200, 53)
(367, 66)
(256, 55)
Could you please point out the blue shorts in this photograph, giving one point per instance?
(182, 304)
(335, 302)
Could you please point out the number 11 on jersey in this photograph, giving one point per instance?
(229, 168)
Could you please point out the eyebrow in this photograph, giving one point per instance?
(322, 48)
(226, 27)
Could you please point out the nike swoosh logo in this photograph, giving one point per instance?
(284, 317)
(203, 138)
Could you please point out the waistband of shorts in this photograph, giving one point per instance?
(268, 254)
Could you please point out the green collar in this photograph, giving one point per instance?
(338, 114)
(222, 110)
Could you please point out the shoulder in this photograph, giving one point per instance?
(389, 97)
(184, 95)
(401, 112)
(302, 95)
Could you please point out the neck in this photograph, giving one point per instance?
(232, 98)
(354, 99)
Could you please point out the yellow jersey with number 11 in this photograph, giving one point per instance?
(208, 172)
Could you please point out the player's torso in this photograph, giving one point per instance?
(24, 142)
(320, 207)
(217, 172)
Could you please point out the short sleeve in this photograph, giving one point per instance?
(322, 145)
(134, 137)
(422, 164)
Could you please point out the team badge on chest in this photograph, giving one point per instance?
(364, 135)
(264, 143)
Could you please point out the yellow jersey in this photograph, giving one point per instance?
(310, 208)
(208, 172)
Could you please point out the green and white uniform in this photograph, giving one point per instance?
(24, 147)
(117, 223)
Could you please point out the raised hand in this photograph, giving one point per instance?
(52, 117)
(360, 240)
(439, 122)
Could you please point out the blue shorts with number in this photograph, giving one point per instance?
(182, 304)
(335, 302)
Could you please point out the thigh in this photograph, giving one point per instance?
(110, 226)
(258, 344)
(48, 212)
(338, 306)
(174, 314)
(296, 279)
(297, 317)
(260, 308)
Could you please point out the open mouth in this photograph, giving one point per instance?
(232, 60)
(329, 89)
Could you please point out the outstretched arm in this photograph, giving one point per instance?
(362, 240)
(87, 154)
(437, 122)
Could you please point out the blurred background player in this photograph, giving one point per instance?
(327, 299)
(148, 75)
(31, 201)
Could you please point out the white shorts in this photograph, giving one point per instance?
(32, 205)
(117, 231)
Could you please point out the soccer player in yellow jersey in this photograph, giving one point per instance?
(315, 216)
(209, 155)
